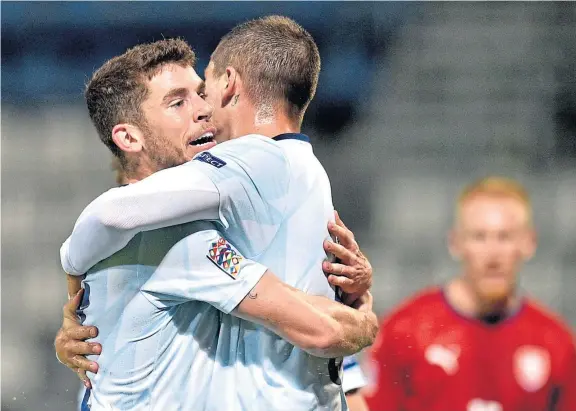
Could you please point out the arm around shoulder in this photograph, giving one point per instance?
(169, 197)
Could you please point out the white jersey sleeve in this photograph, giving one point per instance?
(234, 175)
(353, 377)
(203, 267)
(166, 198)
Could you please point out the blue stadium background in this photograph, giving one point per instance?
(415, 100)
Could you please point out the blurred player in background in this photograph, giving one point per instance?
(150, 152)
(478, 344)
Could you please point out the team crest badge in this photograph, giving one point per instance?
(478, 404)
(225, 257)
(443, 357)
(531, 367)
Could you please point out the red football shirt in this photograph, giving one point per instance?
(430, 358)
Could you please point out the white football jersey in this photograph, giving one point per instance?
(271, 199)
(158, 304)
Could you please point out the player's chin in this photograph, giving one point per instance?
(495, 289)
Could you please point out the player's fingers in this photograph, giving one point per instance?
(342, 253)
(345, 237)
(74, 347)
(79, 332)
(82, 375)
(339, 220)
(70, 307)
(83, 364)
(340, 270)
(332, 268)
(341, 282)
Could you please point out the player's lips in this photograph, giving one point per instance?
(495, 273)
(204, 139)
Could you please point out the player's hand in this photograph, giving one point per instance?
(70, 344)
(363, 302)
(353, 272)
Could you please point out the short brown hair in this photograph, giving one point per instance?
(116, 90)
(277, 59)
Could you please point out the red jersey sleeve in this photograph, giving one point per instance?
(387, 390)
(567, 386)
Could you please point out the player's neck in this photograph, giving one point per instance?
(464, 300)
(269, 123)
(137, 168)
(125, 178)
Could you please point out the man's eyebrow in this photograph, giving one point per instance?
(175, 92)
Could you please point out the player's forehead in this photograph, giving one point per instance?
(492, 212)
(209, 69)
(171, 77)
(209, 75)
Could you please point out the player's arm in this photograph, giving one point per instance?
(74, 284)
(567, 386)
(198, 190)
(318, 325)
(71, 347)
(386, 390)
(206, 267)
(168, 197)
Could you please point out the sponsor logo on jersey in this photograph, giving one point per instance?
(444, 357)
(531, 367)
(208, 158)
(225, 257)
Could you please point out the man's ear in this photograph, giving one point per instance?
(231, 86)
(128, 138)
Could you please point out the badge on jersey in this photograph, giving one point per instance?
(531, 367)
(443, 357)
(208, 158)
(226, 257)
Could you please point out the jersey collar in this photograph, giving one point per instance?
(292, 136)
(509, 316)
(279, 137)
